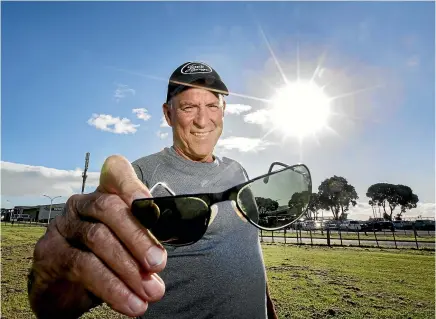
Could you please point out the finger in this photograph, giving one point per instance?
(104, 284)
(98, 238)
(85, 269)
(112, 211)
(118, 177)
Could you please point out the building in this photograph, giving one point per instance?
(39, 213)
(44, 211)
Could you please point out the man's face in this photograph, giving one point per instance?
(196, 116)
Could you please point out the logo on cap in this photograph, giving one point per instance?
(195, 68)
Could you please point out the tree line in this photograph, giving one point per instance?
(337, 195)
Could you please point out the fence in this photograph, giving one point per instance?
(24, 223)
(416, 239)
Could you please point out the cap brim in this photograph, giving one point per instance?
(217, 86)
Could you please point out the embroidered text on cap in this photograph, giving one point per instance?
(195, 68)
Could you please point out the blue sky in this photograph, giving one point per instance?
(63, 62)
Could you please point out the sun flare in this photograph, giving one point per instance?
(299, 109)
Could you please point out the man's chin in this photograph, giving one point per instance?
(202, 154)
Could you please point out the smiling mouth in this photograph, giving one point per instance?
(200, 134)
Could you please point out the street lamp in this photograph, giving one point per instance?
(51, 203)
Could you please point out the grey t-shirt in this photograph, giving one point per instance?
(223, 274)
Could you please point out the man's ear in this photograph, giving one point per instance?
(224, 107)
(166, 111)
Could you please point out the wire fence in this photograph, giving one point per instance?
(25, 223)
(416, 239)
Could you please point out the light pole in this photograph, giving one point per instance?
(51, 203)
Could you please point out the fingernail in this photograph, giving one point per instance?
(155, 256)
(153, 287)
(139, 195)
(136, 304)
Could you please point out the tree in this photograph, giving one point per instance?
(314, 206)
(407, 199)
(378, 194)
(392, 196)
(299, 202)
(336, 194)
(266, 205)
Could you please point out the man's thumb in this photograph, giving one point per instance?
(118, 177)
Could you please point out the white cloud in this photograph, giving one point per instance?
(163, 122)
(108, 123)
(26, 180)
(243, 144)
(413, 61)
(237, 108)
(161, 135)
(122, 91)
(142, 114)
(258, 117)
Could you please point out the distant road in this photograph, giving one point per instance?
(355, 242)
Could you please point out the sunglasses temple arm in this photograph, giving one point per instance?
(266, 179)
(164, 186)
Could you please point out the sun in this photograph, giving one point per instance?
(299, 109)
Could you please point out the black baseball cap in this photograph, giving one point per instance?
(195, 74)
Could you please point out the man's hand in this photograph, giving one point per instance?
(98, 252)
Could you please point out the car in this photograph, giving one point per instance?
(353, 225)
(311, 225)
(377, 225)
(20, 217)
(424, 224)
(332, 225)
(398, 224)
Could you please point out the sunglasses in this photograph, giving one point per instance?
(269, 202)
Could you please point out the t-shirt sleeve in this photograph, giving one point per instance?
(245, 172)
(138, 171)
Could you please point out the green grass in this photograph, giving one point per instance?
(305, 282)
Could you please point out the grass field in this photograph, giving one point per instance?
(306, 282)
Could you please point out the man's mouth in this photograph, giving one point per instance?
(200, 134)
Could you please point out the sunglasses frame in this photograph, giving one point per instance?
(231, 194)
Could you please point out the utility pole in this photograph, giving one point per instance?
(84, 176)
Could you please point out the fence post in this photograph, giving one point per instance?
(301, 238)
(272, 235)
(340, 235)
(328, 237)
(378, 246)
(416, 240)
(261, 236)
(395, 240)
(311, 241)
(358, 237)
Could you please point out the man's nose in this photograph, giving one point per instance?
(202, 117)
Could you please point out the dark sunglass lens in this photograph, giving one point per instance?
(182, 220)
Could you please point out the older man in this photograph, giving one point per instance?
(98, 252)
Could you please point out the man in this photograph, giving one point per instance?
(98, 252)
